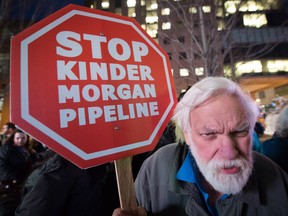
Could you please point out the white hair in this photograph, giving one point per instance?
(204, 90)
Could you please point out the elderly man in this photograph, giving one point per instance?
(212, 170)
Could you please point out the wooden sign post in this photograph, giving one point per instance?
(125, 183)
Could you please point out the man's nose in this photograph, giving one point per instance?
(228, 148)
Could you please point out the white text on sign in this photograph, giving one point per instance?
(70, 45)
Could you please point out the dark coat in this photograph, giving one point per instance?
(160, 193)
(14, 163)
(276, 149)
(60, 188)
(15, 166)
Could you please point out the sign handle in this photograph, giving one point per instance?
(125, 183)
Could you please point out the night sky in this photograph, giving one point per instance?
(37, 9)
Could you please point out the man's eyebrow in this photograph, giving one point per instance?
(209, 130)
(243, 126)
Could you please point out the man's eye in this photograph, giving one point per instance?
(207, 135)
(241, 133)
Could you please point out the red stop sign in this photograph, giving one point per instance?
(91, 85)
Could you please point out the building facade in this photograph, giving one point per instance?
(243, 39)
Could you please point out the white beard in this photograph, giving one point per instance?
(225, 183)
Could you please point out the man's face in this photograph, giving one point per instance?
(20, 139)
(220, 140)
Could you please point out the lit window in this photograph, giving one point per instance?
(152, 33)
(227, 70)
(199, 71)
(206, 9)
(184, 72)
(151, 19)
(105, 4)
(221, 25)
(131, 3)
(131, 12)
(277, 65)
(166, 25)
(154, 6)
(165, 11)
(151, 5)
(230, 7)
(219, 12)
(249, 67)
(251, 6)
(193, 10)
(254, 20)
(152, 30)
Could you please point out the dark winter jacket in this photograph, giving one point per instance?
(276, 149)
(160, 193)
(15, 163)
(60, 188)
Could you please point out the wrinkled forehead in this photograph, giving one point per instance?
(221, 107)
(225, 98)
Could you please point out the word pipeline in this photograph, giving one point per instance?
(136, 81)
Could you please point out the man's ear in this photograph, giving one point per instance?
(186, 136)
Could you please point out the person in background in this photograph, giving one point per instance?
(36, 145)
(7, 131)
(256, 142)
(16, 161)
(259, 129)
(276, 148)
(60, 188)
(213, 169)
(270, 121)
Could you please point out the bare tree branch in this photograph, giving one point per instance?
(205, 45)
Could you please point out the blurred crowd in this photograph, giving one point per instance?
(274, 124)
(34, 180)
(33, 177)
(19, 155)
